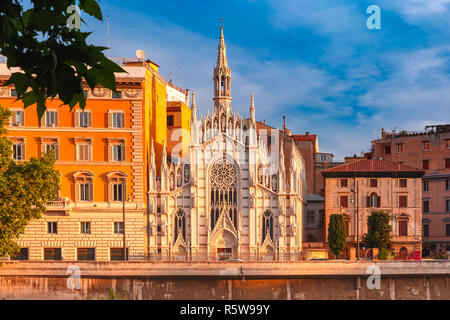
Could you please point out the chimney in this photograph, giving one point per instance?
(307, 133)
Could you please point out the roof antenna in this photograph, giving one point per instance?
(107, 37)
(170, 74)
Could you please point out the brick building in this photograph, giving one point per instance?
(378, 184)
(430, 151)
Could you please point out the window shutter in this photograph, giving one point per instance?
(22, 118)
(43, 151)
(56, 151)
(109, 119)
(77, 191)
(13, 119)
(56, 118)
(368, 201)
(91, 191)
(77, 118)
(89, 151)
(22, 147)
(122, 150)
(89, 119)
(110, 154)
(378, 201)
(122, 120)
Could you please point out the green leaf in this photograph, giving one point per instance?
(29, 99)
(92, 8)
(21, 82)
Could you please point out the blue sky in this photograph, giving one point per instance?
(314, 61)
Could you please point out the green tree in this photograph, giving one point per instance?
(52, 55)
(379, 230)
(337, 234)
(25, 188)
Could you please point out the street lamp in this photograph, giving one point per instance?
(355, 204)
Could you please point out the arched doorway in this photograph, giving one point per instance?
(224, 245)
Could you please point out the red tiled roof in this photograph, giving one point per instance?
(305, 137)
(365, 165)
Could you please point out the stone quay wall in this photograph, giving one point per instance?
(424, 280)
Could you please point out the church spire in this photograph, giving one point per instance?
(222, 79)
(222, 51)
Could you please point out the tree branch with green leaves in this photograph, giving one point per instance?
(54, 59)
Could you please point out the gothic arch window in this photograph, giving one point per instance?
(187, 173)
(223, 191)
(223, 126)
(180, 225)
(222, 85)
(208, 130)
(274, 183)
(267, 225)
(179, 177)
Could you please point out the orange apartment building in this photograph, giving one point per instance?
(430, 151)
(102, 154)
(378, 185)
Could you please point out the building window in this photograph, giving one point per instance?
(447, 184)
(399, 147)
(117, 94)
(85, 227)
(426, 230)
(387, 150)
(52, 227)
(447, 163)
(21, 255)
(19, 151)
(426, 206)
(447, 144)
(13, 93)
(180, 225)
(118, 152)
(85, 253)
(374, 201)
(373, 183)
(117, 192)
(116, 119)
(267, 226)
(425, 185)
(86, 191)
(117, 254)
(310, 216)
(83, 119)
(170, 121)
(403, 227)
(84, 186)
(425, 146)
(344, 183)
(223, 192)
(51, 118)
(83, 151)
(50, 146)
(17, 118)
(447, 205)
(425, 164)
(402, 201)
(403, 183)
(118, 227)
(343, 200)
(52, 254)
(447, 230)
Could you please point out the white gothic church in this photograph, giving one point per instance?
(239, 193)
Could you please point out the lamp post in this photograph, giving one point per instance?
(355, 204)
(124, 194)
